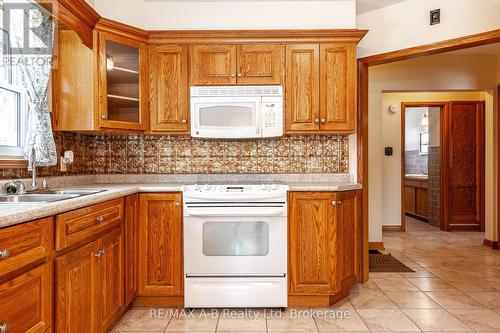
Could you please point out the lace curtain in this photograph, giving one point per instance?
(35, 76)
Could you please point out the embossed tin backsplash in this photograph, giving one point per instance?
(182, 155)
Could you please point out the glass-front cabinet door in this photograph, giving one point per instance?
(122, 83)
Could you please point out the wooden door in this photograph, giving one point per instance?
(131, 252)
(302, 88)
(110, 279)
(123, 82)
(338, 88)
(346, 205)
(466, 140)
(26, 301)
(213, 64)
(169, 94)
(160, 261)
(260, 64)
(312, 247)
(76, 291)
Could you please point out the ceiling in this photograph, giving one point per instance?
(364, 6)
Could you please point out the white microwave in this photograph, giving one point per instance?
(237, 112)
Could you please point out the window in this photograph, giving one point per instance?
(423, 143)
(13, 108)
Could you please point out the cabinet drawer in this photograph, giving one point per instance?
(26, 304)
(24, 244)
(85, 223)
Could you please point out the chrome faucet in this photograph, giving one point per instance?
(32, 167)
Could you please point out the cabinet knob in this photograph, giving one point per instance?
(100, 219)
(4, 254)
(4, 328)
(104, 117)
(100, 253)
(316, 120)
(233, 75)
(177, 205)
(240, 75)
(183, 121)
(336, 203)
(323, 121)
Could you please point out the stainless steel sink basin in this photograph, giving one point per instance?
(46, 196)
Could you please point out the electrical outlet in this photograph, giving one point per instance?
(435, 17)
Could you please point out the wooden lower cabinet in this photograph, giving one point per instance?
(89, 286)
(26, 302)
(160, 238)
(323, 246)
(131, 240)
(416, 199)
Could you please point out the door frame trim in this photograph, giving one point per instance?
(443, 138)
(364, 63)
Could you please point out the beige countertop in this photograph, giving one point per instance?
(417, 177)
(12, 214)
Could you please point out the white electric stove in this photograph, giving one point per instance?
(235, 245)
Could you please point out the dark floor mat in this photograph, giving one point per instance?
(380, 262)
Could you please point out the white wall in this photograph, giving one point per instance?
(165, 15)
(413, 126)
(433, 73)
(406, 24)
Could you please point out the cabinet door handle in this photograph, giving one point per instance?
(183, 121)
(104, 117)
(323, 121)
(100, 253)
(233, 75)
(240, 75)
(4, 327)
(177, 205)
(4, 254)
(336, 203)
(316, 120)
(100, 219)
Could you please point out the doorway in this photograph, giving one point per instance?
(421, 162)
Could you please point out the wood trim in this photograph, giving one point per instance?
(376, 246)
(13, 164)
(75, 14)
(362, 172)
(392, 228)
(498, 163)
(122, 29)
(159, 301)
(459, 43)
(491, 244)
(255, 36)
(315, 301)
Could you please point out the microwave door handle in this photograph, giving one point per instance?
(258, 113)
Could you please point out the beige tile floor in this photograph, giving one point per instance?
(455, 288)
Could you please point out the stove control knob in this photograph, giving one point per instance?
(206, 187)
(197, 187)
(274, 187)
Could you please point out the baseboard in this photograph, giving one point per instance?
(376, 246)
(159, 301)
(491, 244)
(391, 228)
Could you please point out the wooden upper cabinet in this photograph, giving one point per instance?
(323, 242)
(160, 238)
(260, 64)
(338, 87)
(213, 64)
(169, 109)
(123, 82)
(302, 87)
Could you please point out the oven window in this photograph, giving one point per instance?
(236, 238)
(227, 116)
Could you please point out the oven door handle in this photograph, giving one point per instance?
(254, 211)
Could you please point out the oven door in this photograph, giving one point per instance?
(235, 245)
(226, 117)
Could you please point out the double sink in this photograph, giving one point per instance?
(46, 196)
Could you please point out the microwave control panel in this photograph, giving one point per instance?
(272, 117)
